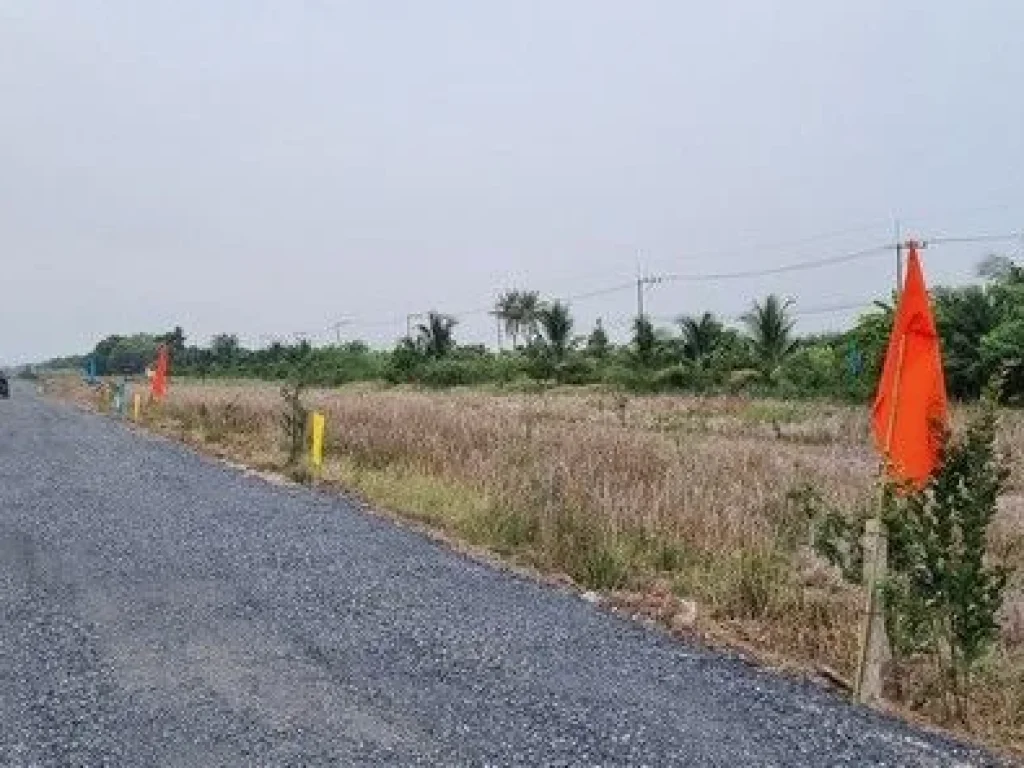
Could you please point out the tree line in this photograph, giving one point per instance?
(982, 329)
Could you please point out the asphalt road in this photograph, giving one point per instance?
(159, 609)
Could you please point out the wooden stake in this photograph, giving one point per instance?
(874, 640)
(874, 647)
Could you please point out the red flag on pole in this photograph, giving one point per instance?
(910, 411)
(158, 385)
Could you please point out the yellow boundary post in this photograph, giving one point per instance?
(316, 446)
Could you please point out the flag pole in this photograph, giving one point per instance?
(890, 430)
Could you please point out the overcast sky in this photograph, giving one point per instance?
(269, 168)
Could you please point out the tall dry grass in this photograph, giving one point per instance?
(694, 492)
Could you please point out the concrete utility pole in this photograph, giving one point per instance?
(337, 330)
(639, 290)
(408, 322)
(641, 282)
(899, 258)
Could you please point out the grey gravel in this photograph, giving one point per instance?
(160, 609)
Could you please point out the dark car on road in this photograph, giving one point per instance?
(5, 387)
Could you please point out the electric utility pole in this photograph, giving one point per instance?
(408, 322)
(337, 330)
(899, 258)
(642, 281)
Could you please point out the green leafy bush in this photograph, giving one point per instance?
(944, 592)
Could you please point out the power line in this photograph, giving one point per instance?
(957, 213)
(795, 267)
(762, 247)
(796, 311)
(1007, 237)
(828, 309)
(600, 292)
(810, 264)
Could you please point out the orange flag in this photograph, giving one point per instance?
(158, 385)
(910, 407)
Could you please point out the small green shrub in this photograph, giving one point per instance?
(673, 379)
(294, 417)
(944, 594)
(603, 566)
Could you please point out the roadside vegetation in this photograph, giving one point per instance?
(982, 329)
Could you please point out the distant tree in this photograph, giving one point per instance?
(555, 323)
(597, 343)
(529, 306)
(964, 316)
(355, 347)
(870, 336)
(175, 340)
(225, 348)
(645, 341)
(1002, 268)
(507, 310)
(404, 360)
(701, 336)
(202, 360)
(101, 353)
(518, 313)
(770, 329)
(1003, 347)
(131, 354)
(435, 337)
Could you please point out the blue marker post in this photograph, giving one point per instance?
(90, 370)
(854, 361)
(119, 398)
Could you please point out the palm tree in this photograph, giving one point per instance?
(701, 336)
(435, 337)
(518, 311)
(770, 328)
(555, 323)
(506, 309)
(529, 306)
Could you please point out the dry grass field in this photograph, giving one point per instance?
(660, 502)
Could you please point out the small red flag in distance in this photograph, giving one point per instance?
(158, 384)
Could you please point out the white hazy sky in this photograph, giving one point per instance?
(271, 167)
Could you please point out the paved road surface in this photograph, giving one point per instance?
(158, 609)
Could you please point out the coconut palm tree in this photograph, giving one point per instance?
(770, 328)
(518, 312)
(701, 336)
(529, 306)
(435, 337)
(555, 323)
(506, 309)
